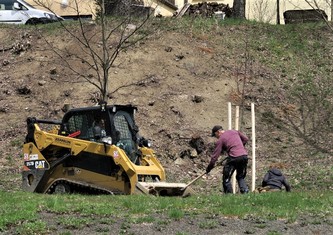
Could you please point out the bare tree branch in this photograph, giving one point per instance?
(102, 45)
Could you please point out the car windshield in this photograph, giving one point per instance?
(27, 4)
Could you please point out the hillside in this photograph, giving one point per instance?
(180, 78)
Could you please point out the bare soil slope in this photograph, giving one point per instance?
(181, 81)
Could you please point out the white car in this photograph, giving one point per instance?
(21, 12)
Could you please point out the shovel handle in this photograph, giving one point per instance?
(198, 177)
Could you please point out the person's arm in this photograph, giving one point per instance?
(215, 156)
(243, 137)
(286, 184)
(264, 181)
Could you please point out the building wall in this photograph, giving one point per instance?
(260, 10)
(160, 9)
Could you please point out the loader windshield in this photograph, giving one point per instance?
(87, 123)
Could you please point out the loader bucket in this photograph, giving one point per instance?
(164, 189)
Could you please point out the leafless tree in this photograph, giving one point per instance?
(306, 111)
(100, 43)
(298, 103)
(263, 11)
(317, 4)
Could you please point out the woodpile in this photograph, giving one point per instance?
(205, 9)
(304, 16)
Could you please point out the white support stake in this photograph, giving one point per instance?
(229, 116)
(237, 118)
(229, 128)
(253, 148)
(233, 179)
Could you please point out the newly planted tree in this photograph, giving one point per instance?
(99, 42)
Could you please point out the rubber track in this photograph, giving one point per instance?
(78, 187)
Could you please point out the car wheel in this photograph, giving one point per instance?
(33, 22)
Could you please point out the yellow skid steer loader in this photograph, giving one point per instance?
(93, 150)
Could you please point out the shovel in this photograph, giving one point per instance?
(198, 177)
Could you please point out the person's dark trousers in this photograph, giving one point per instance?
(239, 164)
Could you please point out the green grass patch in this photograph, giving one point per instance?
(33, 227)
(77, 211)
(208, 224)
(16, 207)
(70, 222)
(175, 213)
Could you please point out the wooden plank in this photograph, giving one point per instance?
(183, 10)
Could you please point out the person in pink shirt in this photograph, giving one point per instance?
(232, 143)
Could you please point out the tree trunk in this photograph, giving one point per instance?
(239, 9)
(106, 57)
(277, 11)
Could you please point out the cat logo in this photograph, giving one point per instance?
(39, 165)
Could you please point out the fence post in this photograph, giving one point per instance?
(253, 147)
(234, 185)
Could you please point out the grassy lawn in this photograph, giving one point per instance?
(24, 210)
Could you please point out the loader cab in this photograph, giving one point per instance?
(111, 124)
(90, 124)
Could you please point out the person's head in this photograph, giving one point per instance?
(99, 122)
(217, 131)
(277, 165)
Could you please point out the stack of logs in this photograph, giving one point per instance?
(205, 9)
